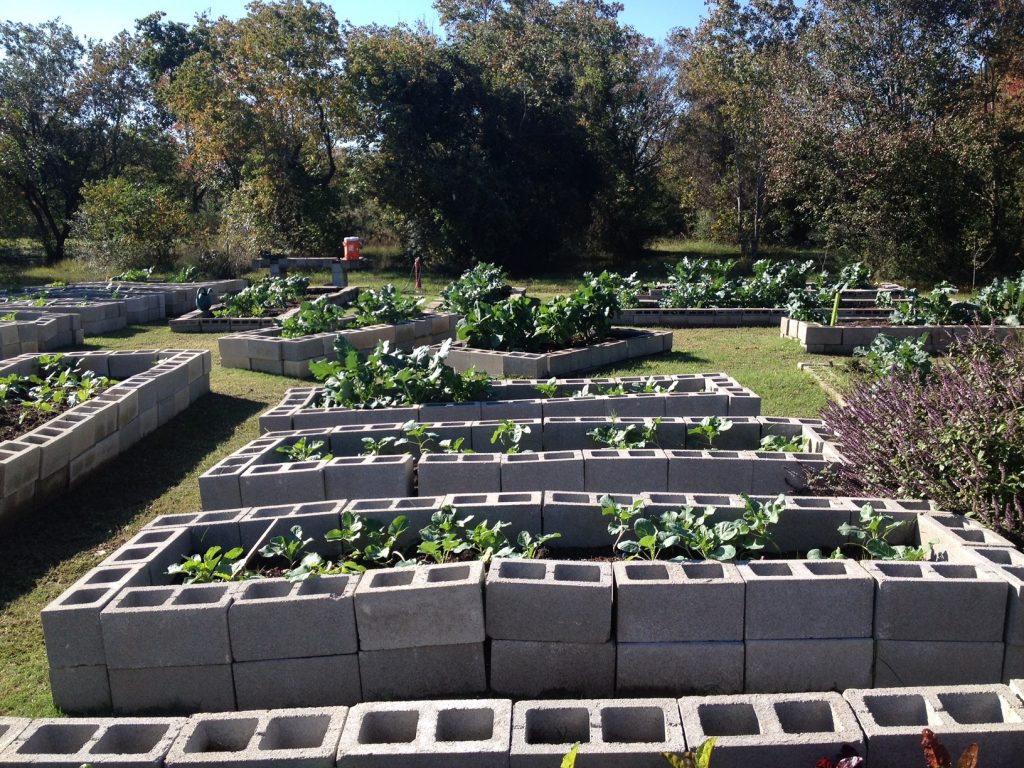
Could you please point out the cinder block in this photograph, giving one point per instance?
(71, 623)
(416, 510)
(441, 473)
(523, 668)
(319, 681)
(518, 410)
(635, 471)
(10, 727)
(279, 737)
(791, 666)
(924, 601)
(399, 608)
(928, 662)
(772, 731)
(483, 432)
(522, 511)
(126, 743)
(612, 733)
(172, 690)
(699, 404)
(679, 669)
(264, 484)
(426, 671)
(577, 517)
(184, 626)
(368, 477)
(696, 471)
(80, 690)
(892, 720)
(678, 602)
(549, 470)
(428, 734)
(565, 601)
(277, 619)
(743, 435)
(805, 599)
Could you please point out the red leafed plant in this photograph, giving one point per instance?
(938, 756)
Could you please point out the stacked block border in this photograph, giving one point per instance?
(154, 386)
(773, 731)
(264, 349)
(197, 321)
(125, 638)
(816, 338)
(31, 332)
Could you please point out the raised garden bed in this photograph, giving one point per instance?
(129, 637)
(622, 345)
(265, 349)
(768, 730)
(698, 394)
(153, 386)
(817, 338)
(198, 321)
(36, 331)
(565, 457)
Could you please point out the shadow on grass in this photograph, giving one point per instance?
(110, 498)
(639, 366)
(128, 332)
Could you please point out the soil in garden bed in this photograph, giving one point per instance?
(17, 420)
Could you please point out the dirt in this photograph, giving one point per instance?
(16, 420)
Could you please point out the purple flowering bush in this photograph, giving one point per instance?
(955, 436)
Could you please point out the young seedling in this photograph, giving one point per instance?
(214, 565)
(871, 536)
(510, 435)
(289, 548)
(300, 450)
(782, 444)
(629, 437)
(548, 389)
(622, 517)
(709, 430)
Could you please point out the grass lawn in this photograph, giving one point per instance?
(45, 552)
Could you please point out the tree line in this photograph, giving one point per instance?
(527, 131)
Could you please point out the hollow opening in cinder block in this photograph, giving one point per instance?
(264, 590)
(956, 571)
(900, 570)
(230, 735)
(424, 503)
(998, 555)
(728, 719)
(805, 716)
(574, 572)
(647, 572)
(204, 595)
(84, 596)
(145, 598)
(632, 725)
(330, 585)
(133, 553)
(968, 535)
(397, 578)
(521, 570)
(469, 499)
(703, 571)
(264, 512)
(811, 503)
(154, 537)
(908, 709)
(702, 500)
(389, 727)
(826, 569)
(465, 724)
(458, 573)
(513, 498)
(298, 732)
(129, 739)
(107, 575)
(770, 569)
(978, 707)
(557, 726)
(58, 739)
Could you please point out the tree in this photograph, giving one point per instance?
(68, 115)
(259, 110)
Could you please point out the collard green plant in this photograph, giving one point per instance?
(137, 275)
(510, 435)
(937, 308)
(709, 430)
(318, 316)
(1002, 301)
(301, 450)
(211, 566)
(783, 444)
(628, 437)
(61, 383)
(384, 305)
(705, 283)
(289, 547)
(483, 284)
(388, 378)
(888, 356)
(871, 537)
(264, 296)
(416, 440)
(187, 274)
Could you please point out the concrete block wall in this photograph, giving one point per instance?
(153, 387)
(96, 315)
(691, 395)
(265, 350)
(192, 320)
(771, 730)
(30, 332)
(843, 339)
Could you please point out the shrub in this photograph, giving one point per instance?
(956, 438)
(1002, 301)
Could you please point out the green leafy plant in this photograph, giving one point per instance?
(888, 356)
(937, 308)
(510, 434)
(871, 536)
(699, 757)
(384, 305)
(318, 316)
(213, 565)
(300, 450)
(449, 536)
(264, 296)
(187, 274)
(388, 378)
(622, 517)
(710, 429)
(10, 317)
(783, 444)
(60, 383)
(484, 283)
(628, 437)
(134, 275)
(548, 388)
(289, 547)
(529, 545)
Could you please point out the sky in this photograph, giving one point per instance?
(104, 19)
